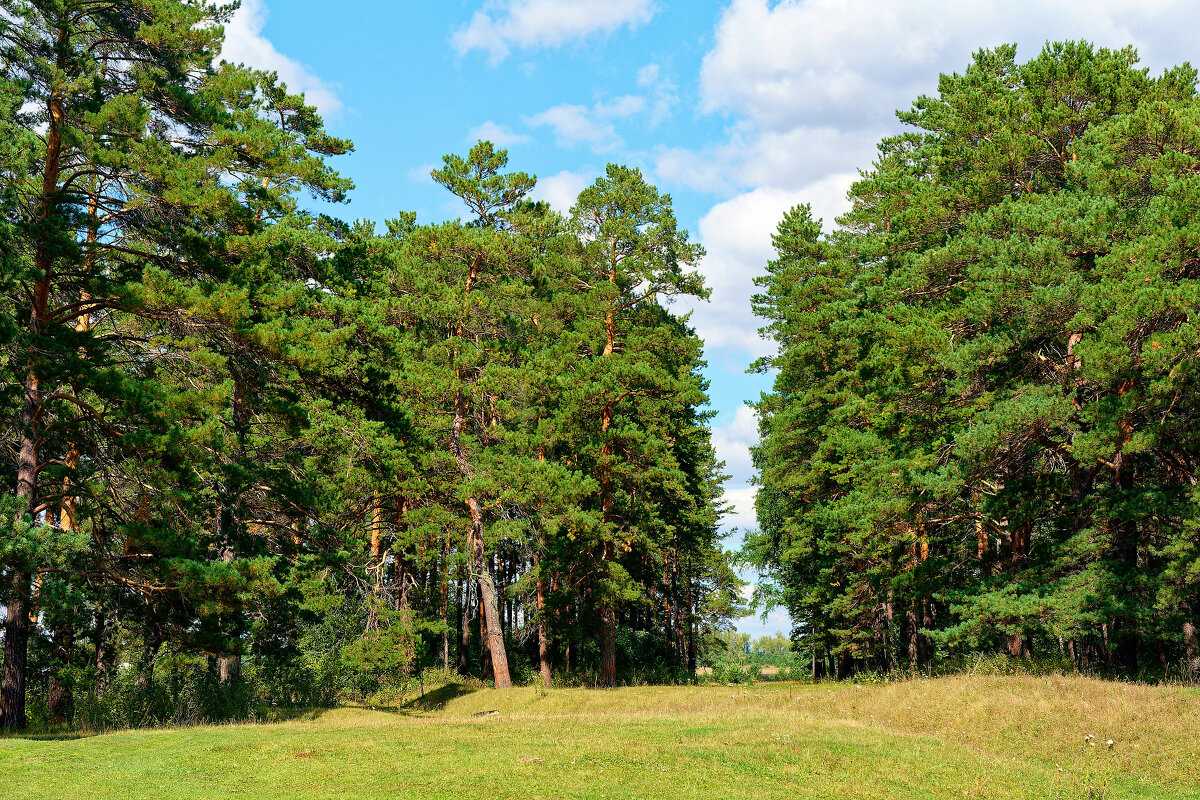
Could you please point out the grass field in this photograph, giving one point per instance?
(964, 737)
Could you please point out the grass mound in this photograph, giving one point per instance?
(962, 737)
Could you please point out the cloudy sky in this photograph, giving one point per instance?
(738, 109)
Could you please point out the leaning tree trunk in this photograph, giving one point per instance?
(489, 606)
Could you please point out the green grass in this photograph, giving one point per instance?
(964, 737)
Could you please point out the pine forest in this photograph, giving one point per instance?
(261, 456)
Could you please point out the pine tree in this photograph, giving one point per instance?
(634, 254)
(154, 175)
(972, 436)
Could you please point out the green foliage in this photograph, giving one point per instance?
(981, 433)
(270, 458)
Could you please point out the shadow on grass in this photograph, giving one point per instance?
(437, 699)
(49, 735)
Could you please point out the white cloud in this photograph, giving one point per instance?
(737, 235)
(648, 75)
(756, 159)
(742, 517)
(847, 62)
(620, 107)
(245, 44)
(561, 190)
(699, 171)
(503, 24)
(777, 622)
(733, 442)
(663, 89)
(574, 124)
(578, 124)
(811, 85)
(499, 135)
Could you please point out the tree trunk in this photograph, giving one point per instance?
(691, 641)
(844, 665)
(608, 646)
(464, 626)
(229, 669)
(608, 615)
(485, 653)
(912, 628)
(488, 602)
(17, 628)
(493, 644)
(1015, 644)
(1125, 543)
(1191, 646)
(151, 642)
(543, 634)
(444, 586)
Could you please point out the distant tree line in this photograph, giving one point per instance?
(253, 446)
(984, 433)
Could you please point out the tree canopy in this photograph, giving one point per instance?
(982, 433)
(259, 454)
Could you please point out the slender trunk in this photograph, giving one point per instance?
(1125, 544)
(18, 627)
(982, 544)
(229, 667)
(691, 639)
(608, 615)
(912, 626)
(543, 633)
(464, 625)
(928, 621)
(889, 617)
(100, 646)
(444, 580)
(377, 535)
(669, 602)
(402, 580)
(151, 642)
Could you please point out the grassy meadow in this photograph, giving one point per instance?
(960, 737)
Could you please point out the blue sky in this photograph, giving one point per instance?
(739, 109)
